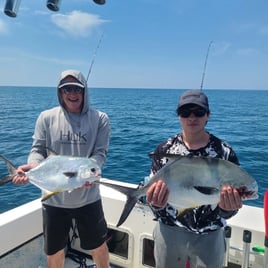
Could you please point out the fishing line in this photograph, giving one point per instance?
(205, 65)
(94, 56)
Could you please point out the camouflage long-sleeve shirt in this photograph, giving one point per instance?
(202, 219)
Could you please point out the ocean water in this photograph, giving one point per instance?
(140, 120)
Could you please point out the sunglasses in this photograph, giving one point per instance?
(197, 112)
(70, 89)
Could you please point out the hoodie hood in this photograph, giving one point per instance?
(80, 82)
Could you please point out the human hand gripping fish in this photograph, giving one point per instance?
(157, 194)
(20, 177)
(230, 199)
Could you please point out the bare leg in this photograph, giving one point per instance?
(56, 260)
(101, 256)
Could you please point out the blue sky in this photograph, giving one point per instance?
(145, 44)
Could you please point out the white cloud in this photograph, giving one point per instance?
(219, 48)
(77, 23)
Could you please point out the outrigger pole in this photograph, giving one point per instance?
(94, 56)
(205, 65)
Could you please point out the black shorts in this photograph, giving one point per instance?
(91, 226)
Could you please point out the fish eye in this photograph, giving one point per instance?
(93, 170)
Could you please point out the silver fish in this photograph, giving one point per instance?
(58, 173)
(192, 181)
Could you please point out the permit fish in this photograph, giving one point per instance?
(58, 173)
(193, 181)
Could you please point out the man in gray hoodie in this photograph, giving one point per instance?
(73, 128)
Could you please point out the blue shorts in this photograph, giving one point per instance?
(57, 222)
(175, 245)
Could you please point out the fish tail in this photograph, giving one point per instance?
(12, 171)
(131, 201)
(132, 195)
(5, 180)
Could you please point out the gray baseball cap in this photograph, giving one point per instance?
(194, 96)
(81, 81)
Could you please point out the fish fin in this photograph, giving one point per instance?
(5, 180)
(47, 196)
(207, 190)
(132, 198)
(131, 202)
(11, 169)
(70, 174)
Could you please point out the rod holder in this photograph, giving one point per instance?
(228, 233)
(53, 5)
(12, 7)
(99, 2)
(246, 248)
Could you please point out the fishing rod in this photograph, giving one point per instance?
(205, 65)
(94, 56)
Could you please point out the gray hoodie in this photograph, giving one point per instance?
(85, 134)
